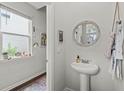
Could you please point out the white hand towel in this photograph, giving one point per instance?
(118, 50)
(117, 57)
(119, 42)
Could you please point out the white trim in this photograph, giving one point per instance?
(21, 82)
(30, 38)
(50, 48)
(16, 34)
(6, 7)
(68, 89)
(0, 45)
(0, 40)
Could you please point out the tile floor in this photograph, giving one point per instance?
(38, 85)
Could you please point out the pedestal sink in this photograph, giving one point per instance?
(86, 70)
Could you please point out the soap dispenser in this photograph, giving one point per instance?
(78, 59)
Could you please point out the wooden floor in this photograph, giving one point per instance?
(37, 85)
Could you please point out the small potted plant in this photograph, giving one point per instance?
(11, 50)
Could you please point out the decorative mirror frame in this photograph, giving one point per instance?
(85, 22)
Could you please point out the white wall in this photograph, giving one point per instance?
(67, 16)
(59, 51)
(16, 70)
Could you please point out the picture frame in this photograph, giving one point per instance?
(43, 39)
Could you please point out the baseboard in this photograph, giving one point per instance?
(68, 89)
(11, 87)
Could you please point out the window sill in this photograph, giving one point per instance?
(15, 59)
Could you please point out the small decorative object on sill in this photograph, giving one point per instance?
(36, 44)
(18, 54)
(43, 39)
(24, 54)
(9, 58)
(5, 55)
(29, 54)
(60, 36)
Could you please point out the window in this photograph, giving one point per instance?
(15, 34)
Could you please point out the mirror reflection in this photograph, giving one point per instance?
(86, 33)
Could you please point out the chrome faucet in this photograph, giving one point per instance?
(84, 61)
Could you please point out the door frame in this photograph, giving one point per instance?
(50, 49)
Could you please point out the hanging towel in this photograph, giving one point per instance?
(119, 41)
(118, 48)
(110, 42)
(117, 57)
(113, 63)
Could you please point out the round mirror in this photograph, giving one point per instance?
(86, 33)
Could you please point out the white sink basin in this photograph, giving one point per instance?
(85, 68)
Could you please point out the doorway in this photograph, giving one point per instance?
(45, 82)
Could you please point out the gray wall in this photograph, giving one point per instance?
(67, 16)
(16, 70)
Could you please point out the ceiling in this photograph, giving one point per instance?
(38, 5)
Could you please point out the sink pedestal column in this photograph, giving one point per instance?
(84, 82)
